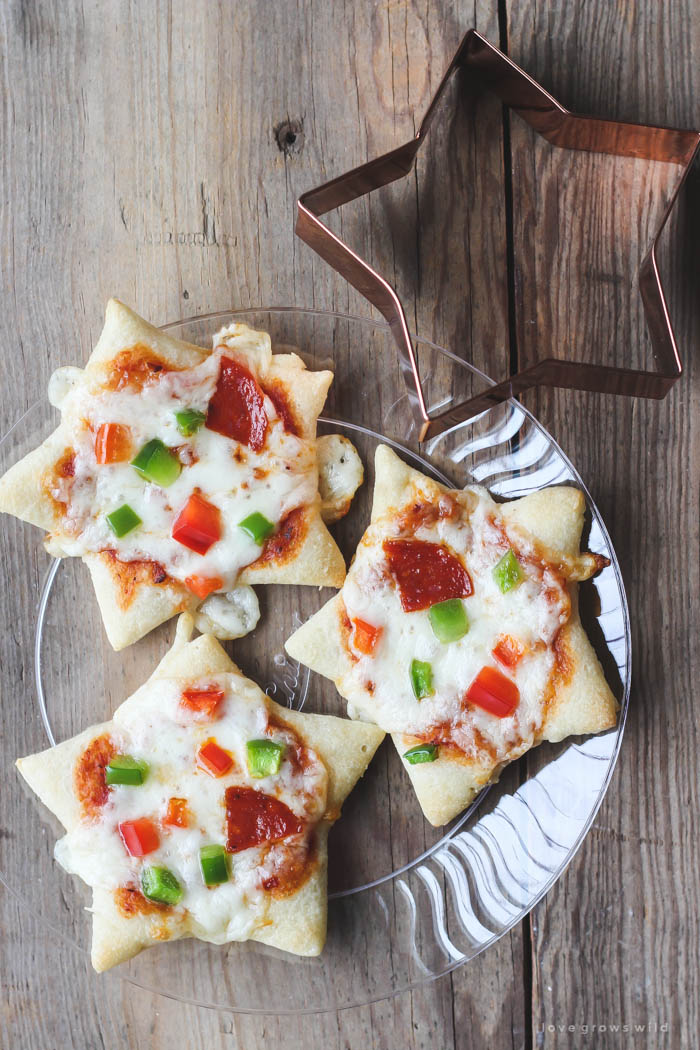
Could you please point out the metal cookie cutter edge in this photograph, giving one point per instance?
(495, 71)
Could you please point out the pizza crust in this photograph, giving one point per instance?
(583, 701)
(316, 559)
(345, 753)
(123, 327)
(22, 492)
(444, 787)
(553, 516)
(148, 607)
(116, 939)
(296, 923)
(50, 774)
(306, 391)
(318, 643)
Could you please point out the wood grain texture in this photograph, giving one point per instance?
(155, 152)
(148, 158)
(616, 941)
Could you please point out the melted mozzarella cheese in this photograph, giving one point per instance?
(378, 686)
(274, 481)
(231, 615)
(153, 727)
(340, 474)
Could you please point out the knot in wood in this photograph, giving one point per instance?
(289, 136)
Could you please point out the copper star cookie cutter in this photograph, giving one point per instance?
(495, 71)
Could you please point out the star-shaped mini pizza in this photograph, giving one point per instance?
(202, 809)
(182, 475)
(457, 630)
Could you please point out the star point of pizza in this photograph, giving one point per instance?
(181, 476)
(457, 630)
(202, 809)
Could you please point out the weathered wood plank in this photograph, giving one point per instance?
(612, 943)
(145, 155)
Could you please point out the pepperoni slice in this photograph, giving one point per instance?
(253, 817)
(237, 409)
(425, 573)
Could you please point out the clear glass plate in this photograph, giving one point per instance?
(408, 903)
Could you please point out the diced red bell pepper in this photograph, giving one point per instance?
(177, 814)
(202, 701)
(112, 443)
(139, 836)
(508, 651)
(493, 692)
(198, 525)
(203, 586)
(366, 636)
(213, 759)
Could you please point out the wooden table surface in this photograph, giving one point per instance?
(154, 151)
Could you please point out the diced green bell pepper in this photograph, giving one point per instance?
(448, 620)
(421, 679)
(123, 520)
(159, 884)
(257, 526)
(264, 757)
(157, 463)
(421, 753)
(189, 420)
(507, 572)
(124, 769)
(212, 861)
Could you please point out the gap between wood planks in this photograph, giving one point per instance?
(513, 364)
